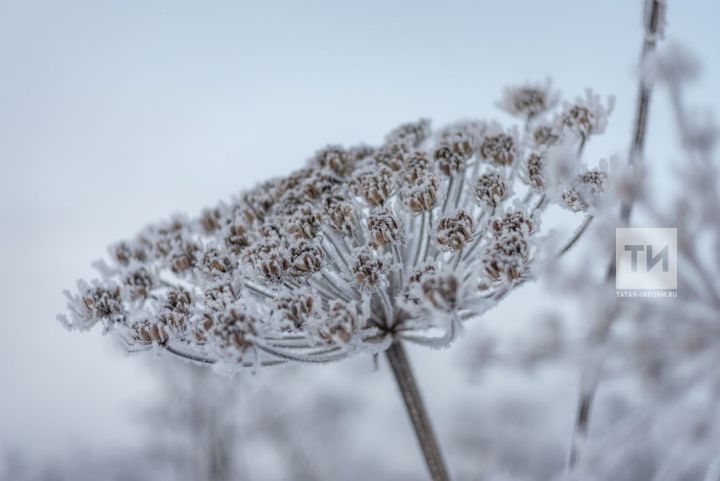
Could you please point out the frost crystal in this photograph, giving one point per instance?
(362, 246)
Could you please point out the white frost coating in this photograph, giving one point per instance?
(362, 246)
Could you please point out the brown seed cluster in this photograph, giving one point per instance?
(490, 189)
(362, 244)
(456, 231)
(500, 149)
(295, 308)
(441, 290)
(343, 321)
(383, 227)
(535, 170)
(588, 187)
(531, 101)
(367, 269)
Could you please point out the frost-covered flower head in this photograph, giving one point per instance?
(586, 116)
(362, 246)
(529, 100)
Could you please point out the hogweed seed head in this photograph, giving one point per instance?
(490, 189)
(422, 195)
(585, 191)
(383, 227)
(534, 170)
(455, 232)
(440, 290)
(344, 320)
(530, 100)
(411, 133)
(361, 246)
(374, 186)
(367, 268)
(586, 116)
(545, 135)
(500, 148)
(295, 308)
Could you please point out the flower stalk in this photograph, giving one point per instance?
(405, 379)
(652, 28)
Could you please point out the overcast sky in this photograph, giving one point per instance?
(115, 114)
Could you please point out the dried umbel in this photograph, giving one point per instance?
(270, 259)
(360, 248)
(296, 308)
(507, 257)
(453, 152)
(412, 133)
(150, 332)
(339, 214)
(456, 231)
(586, 116)
(500, 149)
(490, 189)
(534, 170)
(236, 238)
(139, 282)
(97, 302)
(415, 167)
(233, 330)
(515, 221)
(374, 186)
(305, 259)
(422, 195)
(528, 101)
(344, 320)
(441, 290)
(383, 227)
(545, 135)
(367, 269)
(586, 190)
(335, 159)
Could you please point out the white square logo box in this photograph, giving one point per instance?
(646, 259)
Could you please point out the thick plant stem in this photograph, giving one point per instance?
(654, 17)
(416, 410)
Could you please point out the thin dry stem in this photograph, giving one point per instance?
(416, 410)
(653, 19)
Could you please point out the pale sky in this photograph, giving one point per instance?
(115, 114)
